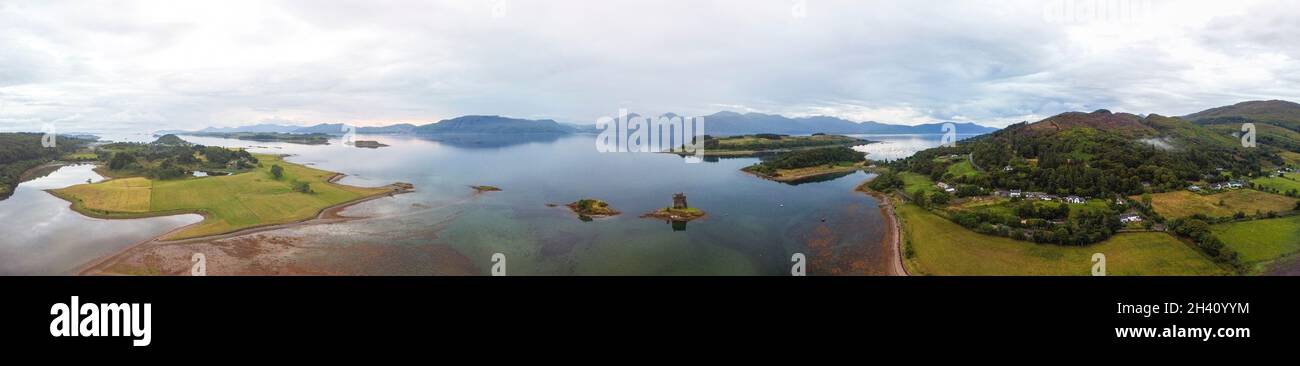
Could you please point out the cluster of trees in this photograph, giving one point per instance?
(938, 198)
(1086, 227)
(170, 160)
(20, 152)
(1198, 230)
(1028, 210)
(886, 182)
(814, 157)
(222, 156)
(767, 141)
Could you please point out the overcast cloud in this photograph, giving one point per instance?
(147, 65)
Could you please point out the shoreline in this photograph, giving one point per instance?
(327, 215)
(799, 177)
(895, 233)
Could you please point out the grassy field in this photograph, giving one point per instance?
(1290, 157)
(963, 168)
(1259, 242)
(1183, 203)
(1291, 181)
(913, 182)
(229, 203)
(945, 248)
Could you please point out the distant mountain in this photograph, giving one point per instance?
(265, 127)
(721, 123)
(391, 129)
(492, 125)
(325, 128)
(732, 123)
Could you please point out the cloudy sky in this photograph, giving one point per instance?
(127, 65)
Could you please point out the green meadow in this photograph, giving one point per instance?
(1259, 242)
(1281, 184)
(942, 247)
(228, 203)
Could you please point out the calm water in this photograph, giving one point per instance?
(42, 236)
(893, 147)
(753, 227)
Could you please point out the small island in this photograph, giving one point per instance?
(679, 212)
(795, 166)
(587, 209)
(485, 189)
(368, 144)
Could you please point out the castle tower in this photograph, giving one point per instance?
(679, 201)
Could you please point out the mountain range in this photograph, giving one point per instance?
(721, 123)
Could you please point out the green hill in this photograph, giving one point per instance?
(170, 139)
(1275, 112)
(1277, 123)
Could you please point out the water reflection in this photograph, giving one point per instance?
(444, 227)
(42, 236)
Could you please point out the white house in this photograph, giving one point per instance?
(945, 187)
(1015, 193)
(1074, 200)
(1127, 218)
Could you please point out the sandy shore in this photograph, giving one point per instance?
(327, 215)
(893, 238)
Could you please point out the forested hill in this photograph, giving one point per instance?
(1277, 123)
(1098, 154)
(20, 152)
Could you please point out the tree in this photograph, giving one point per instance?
(301, 187)
(277, 171)
(121, 160)
(1146, 200)
(940, 198)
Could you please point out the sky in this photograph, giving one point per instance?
(148, 65)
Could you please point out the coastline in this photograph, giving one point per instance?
(327, 215)
(893, 238)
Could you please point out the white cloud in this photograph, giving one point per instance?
(141, 64)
